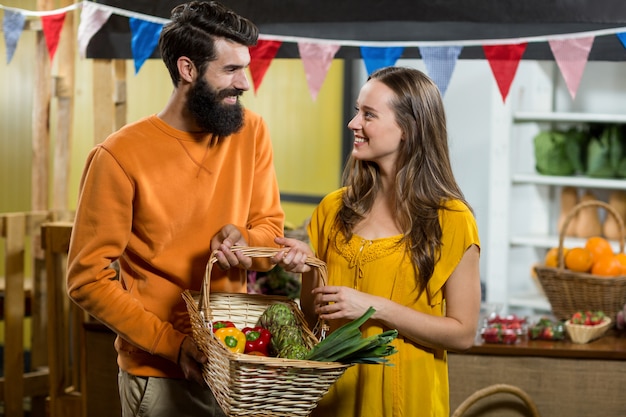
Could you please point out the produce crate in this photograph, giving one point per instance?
(250, 385)
(569, 291)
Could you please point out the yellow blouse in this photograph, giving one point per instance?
(417, 382)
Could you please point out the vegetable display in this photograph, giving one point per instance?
(278, 334)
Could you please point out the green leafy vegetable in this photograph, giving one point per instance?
(551, 155)
(347, 344)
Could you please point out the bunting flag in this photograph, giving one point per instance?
(439, 56)
(261, 57)
(571, 56)
(92, 18)
(52, 26)
(504, 60)
(145, 37)
(376, 58)
(440, 62)
(316, 59)
(622, 38)
(12, 26)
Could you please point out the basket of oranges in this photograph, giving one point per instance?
(589, 277)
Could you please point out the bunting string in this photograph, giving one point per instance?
(570, 50)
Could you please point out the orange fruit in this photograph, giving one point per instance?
(607, 266)
(552, 257)
(599, 247)
(579, 260)
(621, 257)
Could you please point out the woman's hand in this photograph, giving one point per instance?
(333, 302)
(293, 258)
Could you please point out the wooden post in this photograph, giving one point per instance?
(41, 119)
(109, 95)
(14, 315)
(64, 92)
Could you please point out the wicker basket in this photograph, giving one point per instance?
(580, 333)
(492, 390)
(249, 385)
(569, 291)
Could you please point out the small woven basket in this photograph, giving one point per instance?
(569, 291)
(581, 334)
(250, 385)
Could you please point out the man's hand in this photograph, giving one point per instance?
(190, 359)
(226, 238)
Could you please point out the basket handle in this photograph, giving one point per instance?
(495, 389)
(259, 252)
(572, 213)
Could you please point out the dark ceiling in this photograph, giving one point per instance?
(388, 21)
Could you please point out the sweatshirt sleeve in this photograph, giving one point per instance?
(101, 232)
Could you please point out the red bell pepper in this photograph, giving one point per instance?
(257, 340)
(220, 324)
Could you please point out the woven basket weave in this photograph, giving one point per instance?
(569, 291)
(580, 333)
(492, 390)
(249, 385)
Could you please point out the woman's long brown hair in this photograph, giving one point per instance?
(424, 177)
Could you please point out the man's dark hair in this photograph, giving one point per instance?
(192, 32)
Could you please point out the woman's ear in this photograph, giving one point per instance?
(186, 69)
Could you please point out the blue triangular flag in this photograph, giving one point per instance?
(376, 58)
(145, 37)
(440, 62)
(622, 38)
(12, 25)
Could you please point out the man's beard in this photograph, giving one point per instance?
(211, 115)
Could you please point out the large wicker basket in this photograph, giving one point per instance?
(569, 291)
(249, 385)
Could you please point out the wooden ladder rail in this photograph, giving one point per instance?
(65, 328)
(24, 285)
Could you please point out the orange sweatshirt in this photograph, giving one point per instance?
(153, 197)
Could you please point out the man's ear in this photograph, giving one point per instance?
(186, 69)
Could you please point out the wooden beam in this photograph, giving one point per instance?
(109, 97)
(41, 119)
(15, 225)
(64, 93)
(103, 106)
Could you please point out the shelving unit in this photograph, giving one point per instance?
(525, 205)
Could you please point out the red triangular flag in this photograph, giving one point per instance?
(52, 25)
(571, 56)
(504, 60)
(261, 57)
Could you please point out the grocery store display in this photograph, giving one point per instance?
(586, 277)
(503, 329)
(546, 329)
(586, 326)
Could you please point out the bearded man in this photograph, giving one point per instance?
(163, 193)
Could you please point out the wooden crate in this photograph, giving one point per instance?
(22, 291)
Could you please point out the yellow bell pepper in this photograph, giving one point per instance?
(233, 338)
